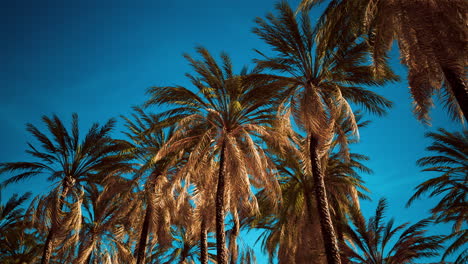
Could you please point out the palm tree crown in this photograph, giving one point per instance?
(450, 161)
(67, 162)
(221, 119)
(372, 241)
(432, 37)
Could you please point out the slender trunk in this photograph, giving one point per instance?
(328, 233)
(48, 246)
(308, 200)
(140, 252)
(315, 246)
(220, 235)
(458, 87)
(203, 243)
(47, 252)
(141, 249)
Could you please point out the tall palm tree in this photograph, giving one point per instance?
(204, 200)
(450, 161)
(298, 215)
(147, 139)
(372, 240)
(67, 162)
(220, 120)
(432, 36)
(323, 80)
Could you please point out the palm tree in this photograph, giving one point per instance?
(372, 240)
(147, 140)
(11, 213)
(297, 216)
(67, 221)
(219, 121)
(67, 162)
(108, 207)
(204, 197)
(432, 37)
(321, 80)
(16, 244)
(450, 161)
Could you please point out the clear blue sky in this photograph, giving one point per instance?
(97, 58)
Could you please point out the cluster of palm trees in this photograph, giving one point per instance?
(266, 149)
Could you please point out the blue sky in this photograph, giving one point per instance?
(97, 58)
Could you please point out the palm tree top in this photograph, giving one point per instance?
(11, 213)
(322, 77)
(220, 94)
(375, 241)
(64, 156)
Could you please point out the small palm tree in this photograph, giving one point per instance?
(67, 162)
(220, 120)
(108, 210)
(322, 81)
(450, 161)
(11, 213)
(431, 35)
(17, 244)
(372, 240)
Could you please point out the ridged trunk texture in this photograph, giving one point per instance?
(457, 83)
(220, 235)
(316, 248)
(328, 233)
(203, 243)
(141, 249)
(47, 252)
(308, 200)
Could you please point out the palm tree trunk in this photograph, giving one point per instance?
(328, 233)
(458, 87)
(220, 235)
(48, 246)
(47, 252)
(316, 246)
(308, 200)
(141, 249)
(203, 243)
